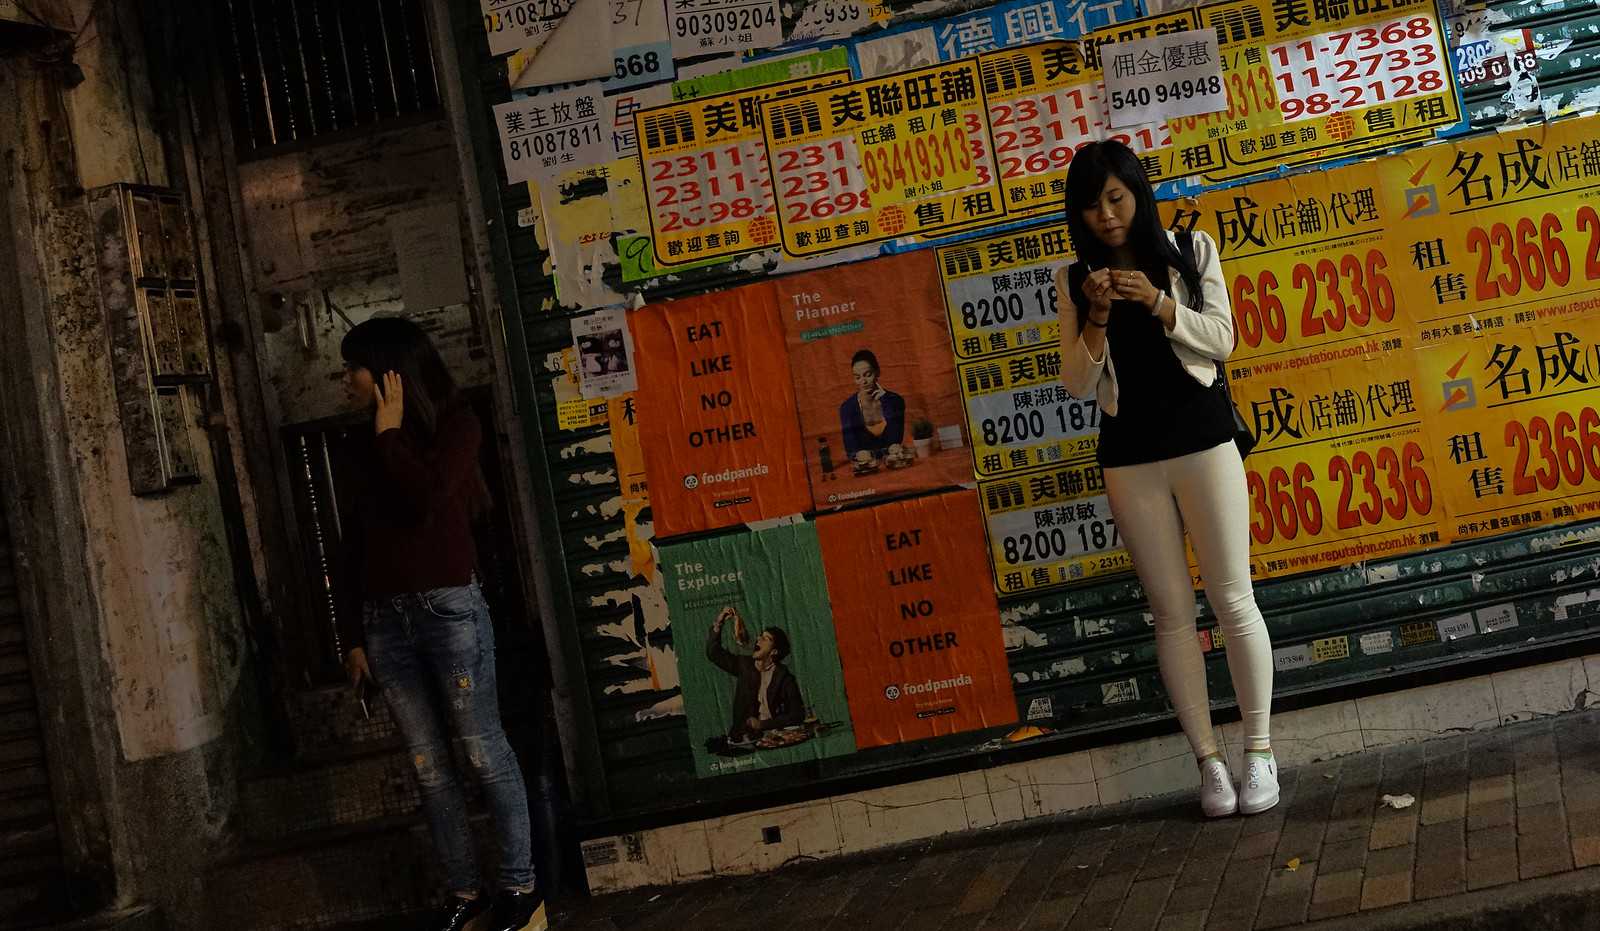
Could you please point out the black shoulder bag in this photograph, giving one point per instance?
(1242, 436)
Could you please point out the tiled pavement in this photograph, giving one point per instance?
(1495, 811)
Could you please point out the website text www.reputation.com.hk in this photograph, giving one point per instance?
(1352, 551)
(1314, 357)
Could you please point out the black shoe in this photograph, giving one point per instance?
(457, 912)
(517, 911)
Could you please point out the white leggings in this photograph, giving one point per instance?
(1153, 504)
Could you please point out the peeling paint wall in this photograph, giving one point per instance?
(159, 569)
(131, 601)
(159, 566)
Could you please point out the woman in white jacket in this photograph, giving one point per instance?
(1145, 320)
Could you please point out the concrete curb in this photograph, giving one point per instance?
(1563, 902)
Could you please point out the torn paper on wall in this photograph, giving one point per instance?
(810, 20)
(427, 247)
(572, 51)
(577, 214)
(521, 24)
(641, 46)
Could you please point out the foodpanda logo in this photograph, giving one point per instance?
(691, 481)
(892, 693)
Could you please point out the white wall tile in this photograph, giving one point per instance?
(1155, 766)
(685, 847)
(1007, 786)
(975, 795)
(1059, 784)
(1421, 713)
(736, 842)
(632, 869)
(1523, 694)
(897, 814)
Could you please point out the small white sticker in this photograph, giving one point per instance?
(705, 27)
(1115, 693)
(527, 216)
(1041, 708)
(1296, 657)
(1377, 642)
(1459, 625)
(1574, 605)
(1497, 617)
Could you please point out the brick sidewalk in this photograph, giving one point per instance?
(1493, 809)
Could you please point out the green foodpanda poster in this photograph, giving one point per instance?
(753, 633)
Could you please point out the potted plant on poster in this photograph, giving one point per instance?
(922, 438)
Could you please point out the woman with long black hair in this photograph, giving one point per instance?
(422, 629)
(1145, 322)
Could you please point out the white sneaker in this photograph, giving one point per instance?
(1217, 797)
(1260, 789)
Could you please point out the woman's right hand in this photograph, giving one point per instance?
(1101, 291)
(355, 665)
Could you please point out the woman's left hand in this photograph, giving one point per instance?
(1134, 286)
(391, 404)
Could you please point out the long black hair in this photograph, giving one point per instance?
(1086, 178)
(394, 344)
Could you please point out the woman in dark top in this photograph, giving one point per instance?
(874, 418)
(419, 625)
(1145, 321)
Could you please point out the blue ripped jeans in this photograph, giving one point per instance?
(433, 654)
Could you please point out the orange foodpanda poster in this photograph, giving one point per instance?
(869, 348)
(920, 643)
(716, 412)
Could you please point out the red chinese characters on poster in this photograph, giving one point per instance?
(920, 643)
(716, 412)
(874, 378)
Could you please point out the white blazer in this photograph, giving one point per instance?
(1200, 338)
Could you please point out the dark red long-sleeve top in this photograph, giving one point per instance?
(412, 517)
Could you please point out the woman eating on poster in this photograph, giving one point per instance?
(873, 419)
(1145, 323)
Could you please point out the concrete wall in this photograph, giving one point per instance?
(134, 610)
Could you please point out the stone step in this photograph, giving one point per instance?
(374, 872)
(136, 918)
(314, 797)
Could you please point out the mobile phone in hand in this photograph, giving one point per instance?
(366, 690)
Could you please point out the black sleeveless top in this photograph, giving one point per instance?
(1162, 412)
